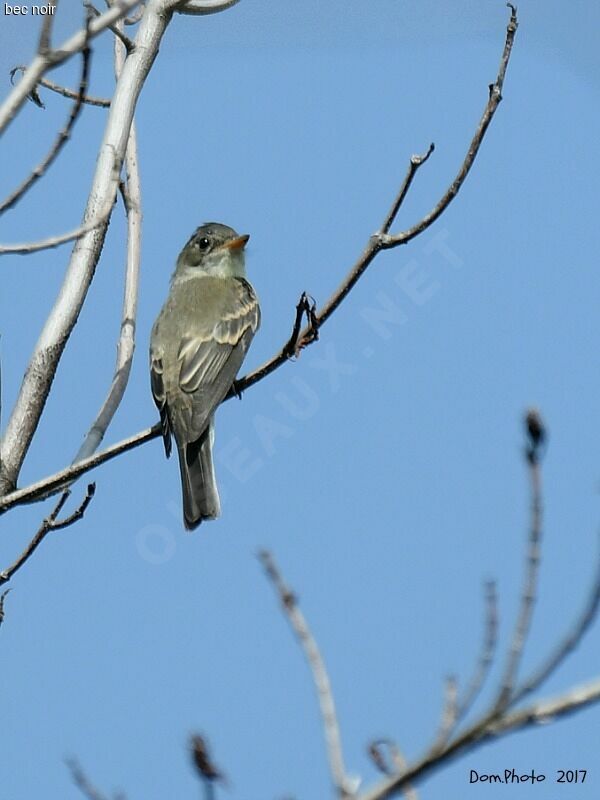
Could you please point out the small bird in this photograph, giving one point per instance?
(197, 346)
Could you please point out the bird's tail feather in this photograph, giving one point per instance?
(198, 483)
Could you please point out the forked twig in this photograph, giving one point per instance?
(382, 240)
(52, 58)
(456, 708)
(394, 766)
(51, 523)
(571, 640)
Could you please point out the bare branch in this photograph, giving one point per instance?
(44, 61)
(60, 140)
(305, 337)
(51, 523)
(90, 100)
(396, 767)
(450, 709)
(500, 719)
(319, 673)
(459, 708)
(82, 782)
(42, 367)
(550, 710)
(46, 32)
(529, 593)
(24, 248)
(490, 726)
(54, 483)
(568, 644)
(305, 308)
(415, 163)
(131, 194)
(2, 599)
(129, 45)
(383, 240)
(495, 98)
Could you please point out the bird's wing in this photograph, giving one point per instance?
(210, 360)
(160, 398)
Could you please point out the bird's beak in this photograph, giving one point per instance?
(237, 244)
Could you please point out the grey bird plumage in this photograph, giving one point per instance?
(197, 346)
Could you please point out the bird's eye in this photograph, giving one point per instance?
(204, 243)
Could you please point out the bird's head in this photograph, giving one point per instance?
(215, 250)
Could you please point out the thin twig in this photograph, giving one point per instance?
(317, 319)
(132, 200)
(415, 163)
(383, 240)
(24, 248)
(2, 599)
(129, 45)
(207, 771)
(568, 644)
(82, 782)
(60, 140)
(482, 730)
(45, 44)
(396, 767)
(55, 483)
(88, 99)
(51, 523)
(495, 98)
(529, 593)
(44, 61)
(460, 707)
(319, 673)
(450, 708)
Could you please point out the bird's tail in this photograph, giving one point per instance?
(198, 483)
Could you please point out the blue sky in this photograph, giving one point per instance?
(389, 487)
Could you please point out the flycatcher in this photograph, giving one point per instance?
(197, 346)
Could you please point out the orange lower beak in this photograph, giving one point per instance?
(237, 244)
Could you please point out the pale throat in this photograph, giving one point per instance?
(223, 264)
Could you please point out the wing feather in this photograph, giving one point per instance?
(209, 362)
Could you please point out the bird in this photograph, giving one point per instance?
(197, 345)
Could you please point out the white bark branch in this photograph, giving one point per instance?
(319, 673)
(63, 316)
(52, 58)
(131, 192)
